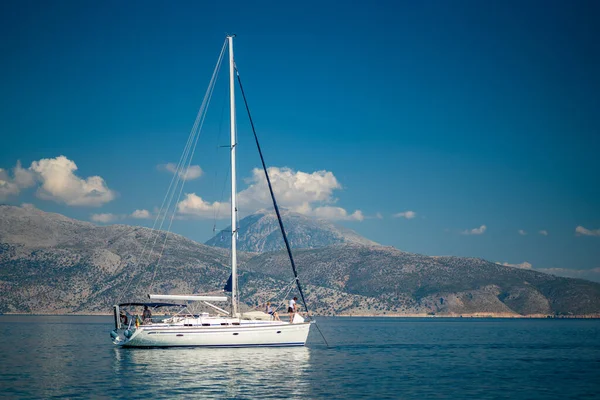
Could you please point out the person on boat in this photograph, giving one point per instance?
(147, 315)
(271, 311)
(292, 308)
(123, 317)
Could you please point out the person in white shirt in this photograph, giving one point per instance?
(292, 308)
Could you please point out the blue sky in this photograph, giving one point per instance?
(465, 113)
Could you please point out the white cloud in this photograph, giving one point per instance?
(140, 214)
(523, 265)
(378, 215)
(306, 193)
(522, 232)
(293, 189)
(543, 232)
(22, 178)
(7, 185)
(580, 230)
(405, 214)
(187, 174)
(336, 213)
(104, 218)
(194, 205)
(475, 231)
(60, 184)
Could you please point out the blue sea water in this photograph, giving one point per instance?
(45, 357)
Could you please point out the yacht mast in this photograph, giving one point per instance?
(234, 291)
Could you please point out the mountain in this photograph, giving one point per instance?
(53, 264)
(259, 232)
(390, 280)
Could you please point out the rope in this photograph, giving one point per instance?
(175, 180)
(285, 239)
(198, 124)
(262, 159)
(288, 292)
(290, 285)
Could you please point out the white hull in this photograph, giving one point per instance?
(248, 334)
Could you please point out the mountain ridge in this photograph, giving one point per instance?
(260, 232)
(436, 284)
(53, 264)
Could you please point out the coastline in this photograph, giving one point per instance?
(421, 315)
(474, 315)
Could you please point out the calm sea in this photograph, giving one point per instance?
(380, 358)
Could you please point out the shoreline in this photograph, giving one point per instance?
(470, 316)
(474, 315)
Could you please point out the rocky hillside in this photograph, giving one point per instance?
(50, 263)
(383, 279)
(260, 232)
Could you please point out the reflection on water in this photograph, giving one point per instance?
(382, 358)
(222, 372)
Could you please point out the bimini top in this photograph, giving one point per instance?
(152, 305)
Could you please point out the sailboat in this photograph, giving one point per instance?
(225, 328)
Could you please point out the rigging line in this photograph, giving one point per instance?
(175, 178)
(289, 285)
(205, 104)
(287, 244)
(164, 211)
(285, 239)
(183, 183)
(152, 230)
(174, 211)
(160, 214)
(198, 124)
(323, 336)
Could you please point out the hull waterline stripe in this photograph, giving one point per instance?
(219, 345)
